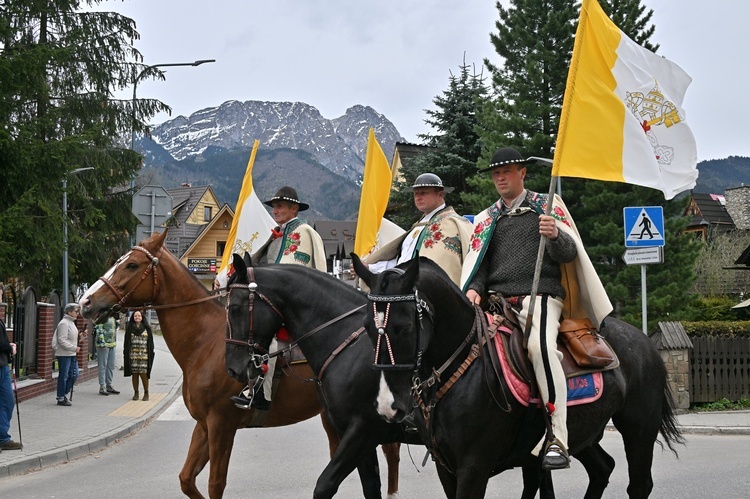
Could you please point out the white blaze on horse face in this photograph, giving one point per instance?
(108, 275)
(385, 400)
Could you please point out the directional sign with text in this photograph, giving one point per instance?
(642, 256)
(644, 226)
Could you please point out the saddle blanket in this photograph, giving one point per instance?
(582, 389)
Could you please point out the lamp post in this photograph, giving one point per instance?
(135, 87)
(65, 230)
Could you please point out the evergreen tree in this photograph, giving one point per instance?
(455, 140)
(534, 39)
(60, 67)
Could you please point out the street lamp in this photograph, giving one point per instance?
(135, 87)
(65, 229)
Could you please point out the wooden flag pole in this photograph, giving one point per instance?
(539, 256)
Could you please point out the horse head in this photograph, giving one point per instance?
(132, 281)
(252, 321)
(399, 321)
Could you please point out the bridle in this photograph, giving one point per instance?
(154, 262)
(252, 287)
(259, 359)
(424, 317)
(151, 268)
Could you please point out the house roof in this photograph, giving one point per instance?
(671, 336)
(206, 227)
(184, 200)
(709, 209)
(407, 150)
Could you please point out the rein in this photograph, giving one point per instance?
(259, 359)
(150, 269)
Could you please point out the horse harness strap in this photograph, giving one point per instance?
(352, 337)
(151, 266)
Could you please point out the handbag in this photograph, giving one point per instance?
(585, 344)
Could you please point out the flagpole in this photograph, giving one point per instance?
(539, 255)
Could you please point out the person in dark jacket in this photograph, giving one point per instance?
(7, 350)
(138, 352)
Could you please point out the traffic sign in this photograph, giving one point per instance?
(643, 256)
(152, 201)
(644, 226)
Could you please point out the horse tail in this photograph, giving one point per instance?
(669, 428)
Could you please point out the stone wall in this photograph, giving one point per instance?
(677, 363)
(738, 205)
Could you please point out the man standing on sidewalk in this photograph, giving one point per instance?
(7, 350)
(65, 346)
(106, 341)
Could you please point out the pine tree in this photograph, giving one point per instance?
(455, 140)
(60, 67)
(535, 40)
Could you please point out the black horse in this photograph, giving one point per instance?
(326, 318)
(476, 428)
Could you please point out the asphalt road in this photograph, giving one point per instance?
(285, 462)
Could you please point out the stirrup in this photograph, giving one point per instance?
(555, 456)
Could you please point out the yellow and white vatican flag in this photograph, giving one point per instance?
(251, 225)
(622, 118)
(376, 189)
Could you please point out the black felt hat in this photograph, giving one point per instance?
(506, 156)
(429, 180)
(287, 193)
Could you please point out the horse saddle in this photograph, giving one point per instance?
(580, 334)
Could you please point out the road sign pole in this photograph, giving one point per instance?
(644, 299)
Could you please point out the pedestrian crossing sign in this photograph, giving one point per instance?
(644, 226)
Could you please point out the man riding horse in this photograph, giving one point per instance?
(293, 241)
(502, 260)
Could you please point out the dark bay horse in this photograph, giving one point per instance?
(194, 324)
(325, 317)
(476, 427)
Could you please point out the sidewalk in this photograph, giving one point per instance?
(53, 434)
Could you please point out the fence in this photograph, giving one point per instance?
(719, 368)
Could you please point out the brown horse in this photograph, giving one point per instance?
(193, 324)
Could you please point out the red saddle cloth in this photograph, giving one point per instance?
(582, 389)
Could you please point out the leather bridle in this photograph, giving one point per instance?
(150, 269)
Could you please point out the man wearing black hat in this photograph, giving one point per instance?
(293, 241)
(441, 234)
(502, 260)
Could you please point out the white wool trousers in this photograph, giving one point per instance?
(546, 359)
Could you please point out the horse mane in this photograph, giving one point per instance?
(429, 270)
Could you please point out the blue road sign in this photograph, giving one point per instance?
(644, 226)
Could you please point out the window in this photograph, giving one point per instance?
(206, 213)
(220, 245)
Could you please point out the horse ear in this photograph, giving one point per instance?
(362, 271)
(240, 269)
(248, 259)
(155, 242)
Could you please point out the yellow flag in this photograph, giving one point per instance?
(251, 225)
(376, 189)
(622, 118)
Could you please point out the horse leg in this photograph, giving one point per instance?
(447, 480)
(331, 433)
(638, 435)
(392, 453)
(197, 458)
(472, 478)
(599, 466)
(369, 475)
(354, 450)
(534, 479)
(221, 434)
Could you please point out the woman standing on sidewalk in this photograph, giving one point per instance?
(139, 352)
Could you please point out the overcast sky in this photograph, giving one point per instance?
(397, 55)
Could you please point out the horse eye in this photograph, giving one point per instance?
(132, 266)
